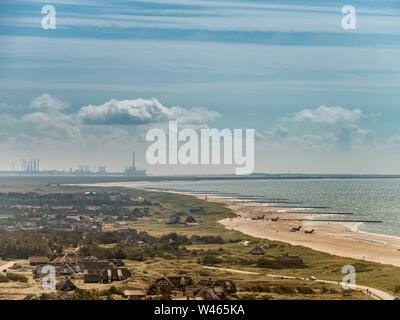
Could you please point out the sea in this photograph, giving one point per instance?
(374, 199)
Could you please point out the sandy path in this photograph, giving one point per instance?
(6, 266)
(375, 293)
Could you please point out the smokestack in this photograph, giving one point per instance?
(133, 159)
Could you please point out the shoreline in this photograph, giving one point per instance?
(336, 238)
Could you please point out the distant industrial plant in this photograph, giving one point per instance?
(31, 167)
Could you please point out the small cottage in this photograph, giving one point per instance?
(257, 251)
(134, 293)
(173, 283)
(65, 285)
(38, 260)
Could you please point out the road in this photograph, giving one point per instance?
(375, 293)
(6, 266)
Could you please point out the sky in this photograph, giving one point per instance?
(320, 98)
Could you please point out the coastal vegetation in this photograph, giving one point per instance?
(156, 247)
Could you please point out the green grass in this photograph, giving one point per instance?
(232, 255)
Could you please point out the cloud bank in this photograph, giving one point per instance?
(140, 112)
(324, 114)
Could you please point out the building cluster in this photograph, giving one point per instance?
(208, 289)
(86, 212)
(31, 167)
(71, 265)
(92, 269)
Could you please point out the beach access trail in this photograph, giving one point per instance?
(375, 293)
(7, 266)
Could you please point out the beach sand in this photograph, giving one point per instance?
(337, 238)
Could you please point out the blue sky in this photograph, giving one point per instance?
(321, 99)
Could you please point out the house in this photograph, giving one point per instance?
(91, 277)
(52, 255)
(66, 270)
(65, 285)
(97, 265)
(114, 274)
(117, 262)
(134, 293)
(190, 219)
(228, 285)
(107, 275)
(173, 283)
(41, 271)
(38, 260)
(67, 259)
(174, 220)
(206, 293)
(257, 251)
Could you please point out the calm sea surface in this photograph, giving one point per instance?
(367, 199)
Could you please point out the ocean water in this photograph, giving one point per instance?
(367, 199)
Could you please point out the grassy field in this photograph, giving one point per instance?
(231, 254)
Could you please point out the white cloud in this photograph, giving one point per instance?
(324, 114)
(48, 103)
(141, 111)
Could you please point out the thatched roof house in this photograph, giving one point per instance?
(228, 285)
(65, 285)
(68, 259)
(134, 293)
(206, 293)
(107, 275)
(38, 260)
(257, 251)
(117, 262)
(173, 283)
(190, 219)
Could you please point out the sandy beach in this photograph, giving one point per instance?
(337, 238)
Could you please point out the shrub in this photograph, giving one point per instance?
(3, 278)
(17, 277)
(257, 287)
(279, 264)
(362, 267)
(210, 260)
(305, 290)
(284, 289)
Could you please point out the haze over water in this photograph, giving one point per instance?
(368, 199)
